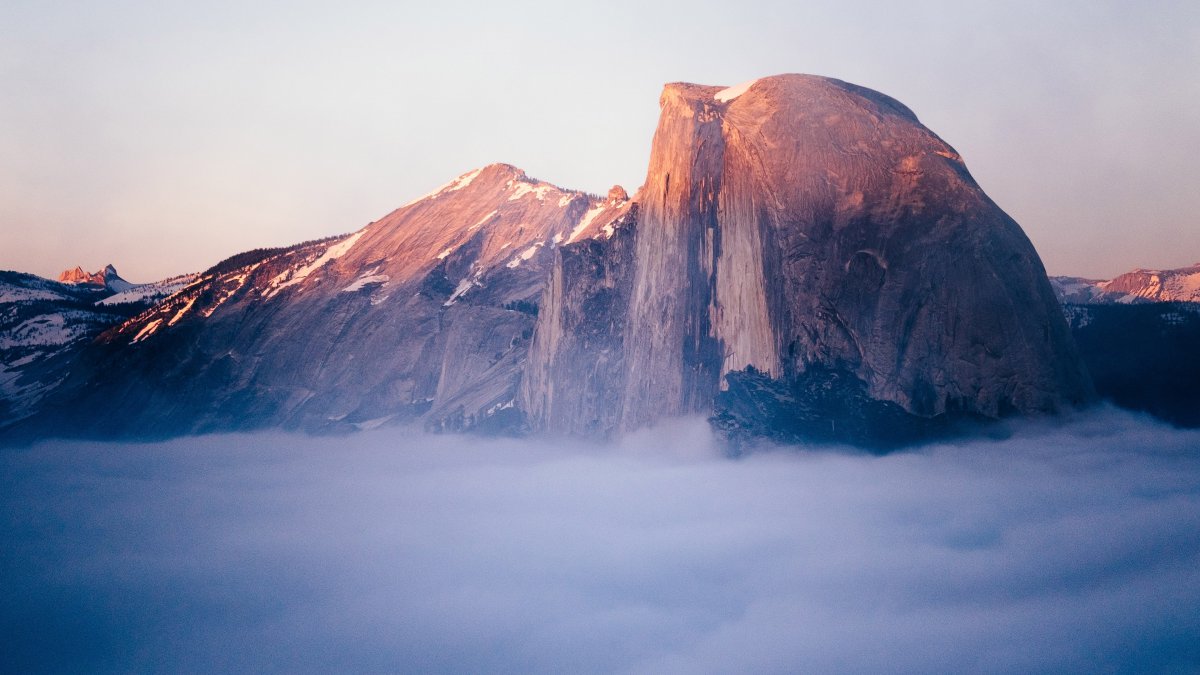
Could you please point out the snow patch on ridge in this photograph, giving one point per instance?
(464, 180)
(523, 188)
(366, 280)
(332, 253)
(728, 94)
(239, 280)
(483, 221)
(500, 406)
(146, 331)
(454, 185)
(463, 286)
(182, 312)
(525, 255)
(150, 291)
(585, 222)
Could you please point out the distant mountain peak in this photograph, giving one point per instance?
(794, 235)
(78, 276)
(106, 278)
(794, 231)
(1140, 285)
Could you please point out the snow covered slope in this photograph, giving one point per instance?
(1177, 285)
(151, 293)
(45, 325)
(425, 314)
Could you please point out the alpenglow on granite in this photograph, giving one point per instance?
(805, 259)
(798, 235)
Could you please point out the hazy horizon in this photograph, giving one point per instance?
(163, 137)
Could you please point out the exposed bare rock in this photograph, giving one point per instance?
(802, 250)
(105, 278)
(799, 222)
(78, 276)
(45, 324)
(425, 314)
(574, 381)
(1138, 286)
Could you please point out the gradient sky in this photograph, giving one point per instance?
(163, 136)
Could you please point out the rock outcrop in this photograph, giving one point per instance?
(1138, 286)
(424, 315)
(105, 278)
(45, 325)
(792, 225)
(803, 255)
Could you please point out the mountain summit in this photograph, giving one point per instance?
(805, 259)
(794, 232)
(423, 314)
(105, 278)
(1138, 286)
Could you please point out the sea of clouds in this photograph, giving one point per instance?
(1059, 548)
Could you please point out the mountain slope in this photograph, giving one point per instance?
(1139, 335)
(106, 278)
(44, 325)
(802, 249)
(423, 314)
(1177, 285)
(1143, 356)
(800, 225)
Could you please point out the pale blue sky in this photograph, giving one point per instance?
(163, 136)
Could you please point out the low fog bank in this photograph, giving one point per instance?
(1061, 548)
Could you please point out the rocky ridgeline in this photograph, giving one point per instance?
(803, 255)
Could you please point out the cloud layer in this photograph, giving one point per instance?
(1066, 548)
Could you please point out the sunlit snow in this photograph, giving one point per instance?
(730, 93)
(332, 253)
(585, 222)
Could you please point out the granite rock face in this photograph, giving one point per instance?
(105, 278)
(574, 379)
(422, 316)
(803, 255)
(801, 223)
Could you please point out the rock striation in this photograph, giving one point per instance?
(422, 316)
(105, 278)
(798, 225)
(804, 260)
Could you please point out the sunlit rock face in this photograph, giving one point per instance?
(803, 254)
(1137, 286)
(106, 278)
(792, 225)
(45, 325)
(422, 316)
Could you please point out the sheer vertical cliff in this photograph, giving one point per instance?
(803, 255)
(798, 226)
(422, 316)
